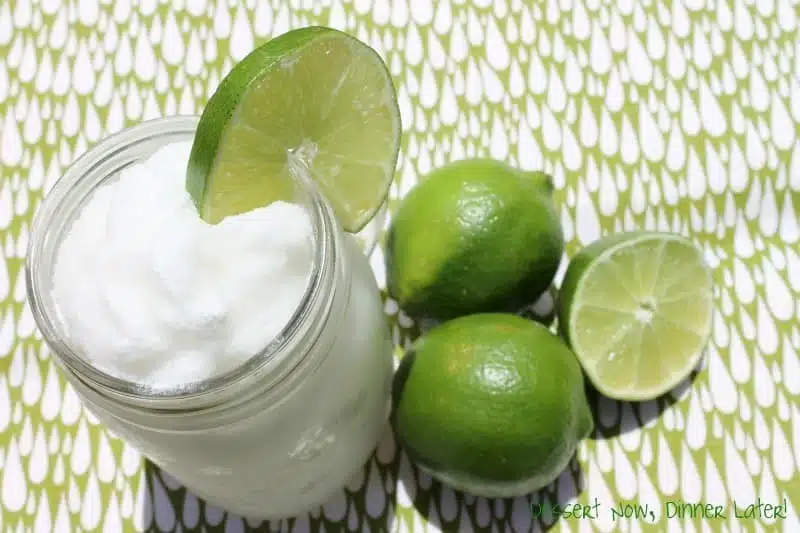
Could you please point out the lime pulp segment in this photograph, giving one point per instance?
(314, 103)
(641, 315)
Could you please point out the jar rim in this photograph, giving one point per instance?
(45, 310)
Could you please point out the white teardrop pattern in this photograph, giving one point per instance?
(679, 115)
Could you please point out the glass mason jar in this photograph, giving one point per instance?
(275, 436)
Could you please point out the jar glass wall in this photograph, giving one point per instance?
(275, 436)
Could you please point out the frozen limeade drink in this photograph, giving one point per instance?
(200, 286)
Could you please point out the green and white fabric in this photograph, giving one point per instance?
(681, 115)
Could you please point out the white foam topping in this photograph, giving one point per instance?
(149, 292)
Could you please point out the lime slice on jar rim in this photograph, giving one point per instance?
(312, 102)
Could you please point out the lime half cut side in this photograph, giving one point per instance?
(312, 103)
(636, 308)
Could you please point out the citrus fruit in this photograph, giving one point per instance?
(313, 103)
(636, 309)
(491, 404)
(473, 236)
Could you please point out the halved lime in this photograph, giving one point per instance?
(312, 102)
(636, 309)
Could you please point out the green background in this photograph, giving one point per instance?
(655, 114)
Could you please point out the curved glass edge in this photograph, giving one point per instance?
(129, 139)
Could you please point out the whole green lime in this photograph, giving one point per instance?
(473, 236)
(491, 404)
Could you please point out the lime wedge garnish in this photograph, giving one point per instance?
(636, 309)
(313, 102)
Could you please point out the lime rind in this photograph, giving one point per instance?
(637, 364)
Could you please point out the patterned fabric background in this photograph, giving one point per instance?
(653, 113)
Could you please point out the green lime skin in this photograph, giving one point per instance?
(473, 236)
(491, 404)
